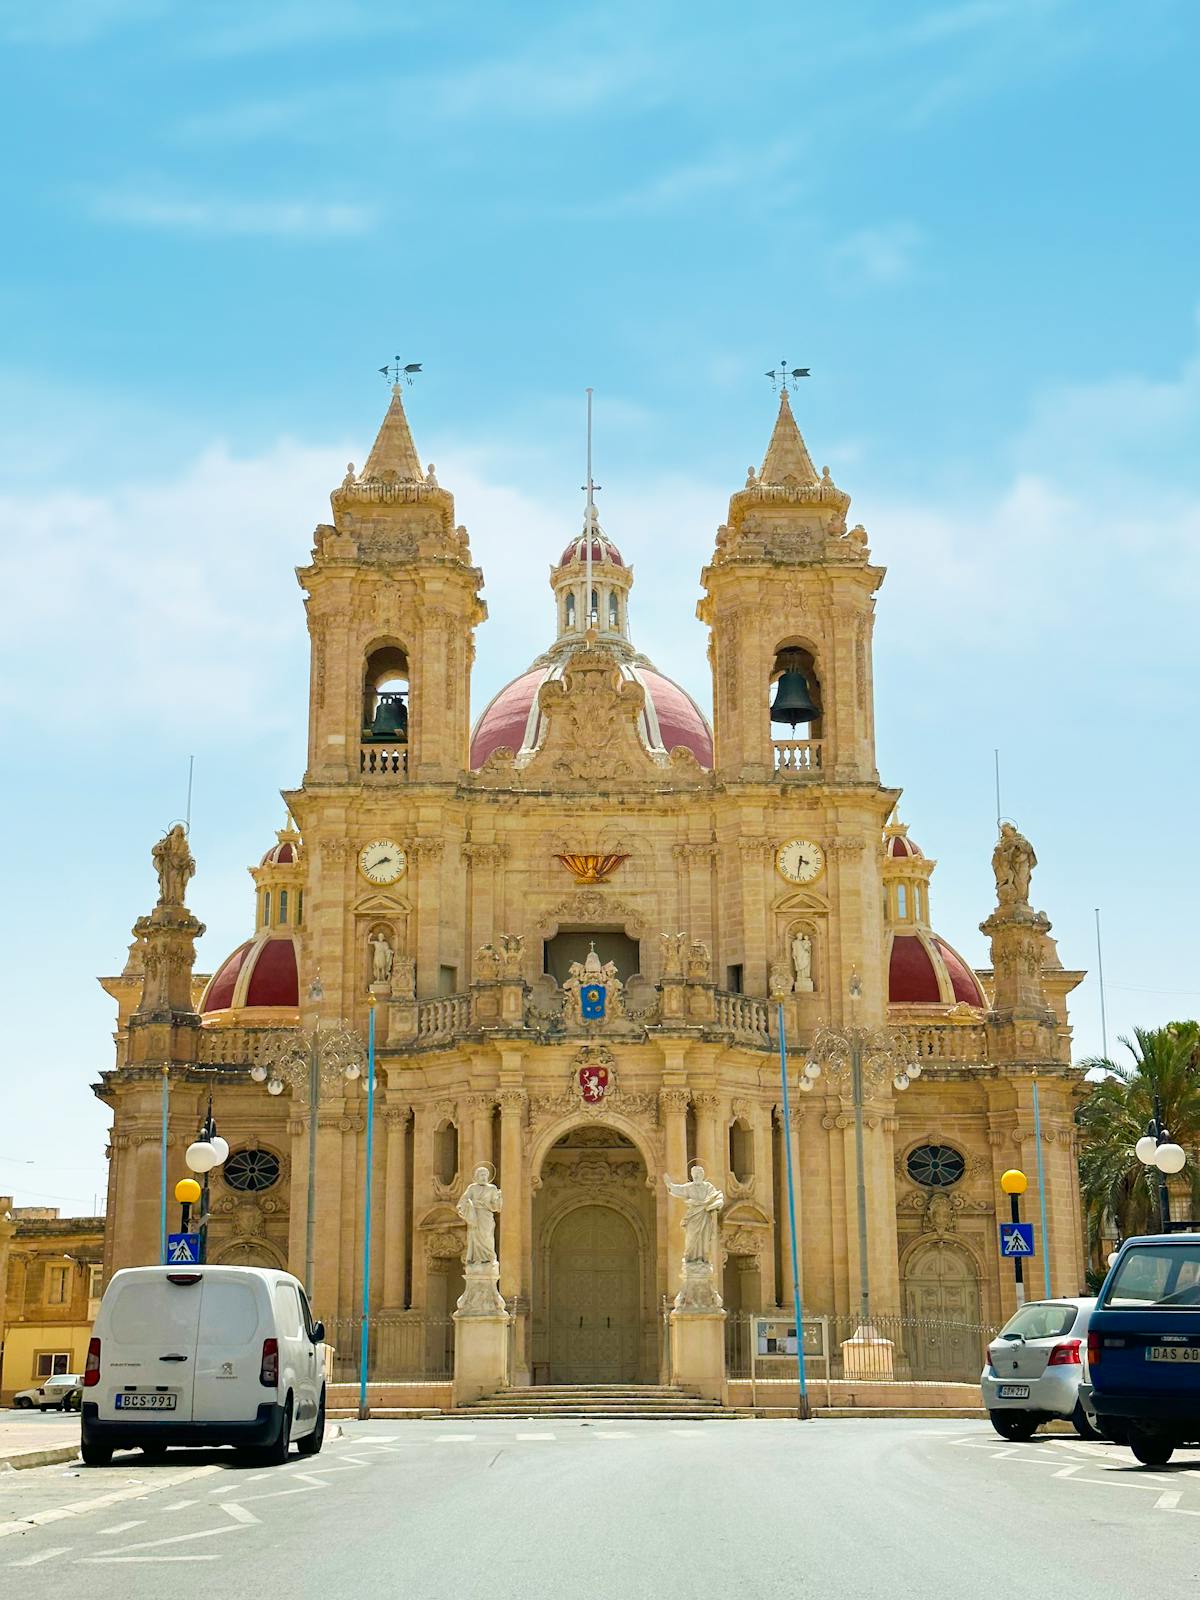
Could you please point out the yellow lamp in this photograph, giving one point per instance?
(187, 1191)
(1014, 1181)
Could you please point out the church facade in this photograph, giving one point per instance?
(577, 925)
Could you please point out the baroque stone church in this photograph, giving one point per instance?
(477, 885)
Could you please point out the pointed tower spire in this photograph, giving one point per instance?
(787, 459)
(393, 455)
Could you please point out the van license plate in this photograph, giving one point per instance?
(1173, 1352)
(145, 1402)
(1014, 1391)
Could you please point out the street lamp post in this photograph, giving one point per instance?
(1156, 1149)
(206, 1152)
(312, 1063)
(1014, 1183)
(865, 1058)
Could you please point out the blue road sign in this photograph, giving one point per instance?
(183, 1249)
(1016, 1238)
(591, 1000)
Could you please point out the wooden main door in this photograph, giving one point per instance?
(941, 1301)
(595, 1298)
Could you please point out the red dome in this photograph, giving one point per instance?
(262, 972)
(280, 854)
(897, 846)
(603, 549)
(924, 970)
(671, 718)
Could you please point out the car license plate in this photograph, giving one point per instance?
(145, 1402)
(1173, 1352)
(1014, 1391)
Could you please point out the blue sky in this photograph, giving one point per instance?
(977, 223)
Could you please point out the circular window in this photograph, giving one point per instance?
(253, 1170)
(936, 1166)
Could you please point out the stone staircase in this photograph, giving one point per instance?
(613, 1401)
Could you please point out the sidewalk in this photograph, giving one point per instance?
(37, 1444)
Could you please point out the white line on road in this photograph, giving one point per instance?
(1168, 1500)
(96, 1561)
(357, 1460)
(123, 1527)
(180, 1505)
(59, 1550)
(177, 1538)
(238, 1513)
(1067, 1472)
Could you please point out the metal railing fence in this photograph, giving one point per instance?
(891, 1349)
(408, 1348)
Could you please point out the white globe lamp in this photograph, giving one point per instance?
(201, 1156)
(1146, 1149)
(1170, 1158)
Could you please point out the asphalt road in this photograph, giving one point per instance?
(624, 1510)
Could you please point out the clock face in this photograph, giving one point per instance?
(382, 861)
(800, 860)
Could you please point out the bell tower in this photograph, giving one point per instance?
(393, 602)
(790, 602)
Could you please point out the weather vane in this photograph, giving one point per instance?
(779, 375)
(394, 371)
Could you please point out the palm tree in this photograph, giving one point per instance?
(1115, 1184)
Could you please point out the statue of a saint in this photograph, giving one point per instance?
(477, 1206)
(703, 1201)
(1013, 862)
(572, 985)
(802, 963)
(381, 957)
(174, 864)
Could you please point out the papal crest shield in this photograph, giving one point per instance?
(592, 1001)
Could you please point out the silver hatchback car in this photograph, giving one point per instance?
(1035, 1364)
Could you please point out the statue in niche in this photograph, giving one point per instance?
(382, 957)
(174, 863)
(802, 963)
(1013, 862)
(477, 1206)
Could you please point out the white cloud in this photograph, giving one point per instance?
(761, 177)
(223, 215)
(886, 254)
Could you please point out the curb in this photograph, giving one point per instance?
(39, 1458)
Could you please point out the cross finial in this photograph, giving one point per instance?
(779, 375)
(396, 369)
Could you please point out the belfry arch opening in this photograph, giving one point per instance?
(794, 695)
(385, 696)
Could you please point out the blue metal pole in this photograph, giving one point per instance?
(791, 1194)
(366, 1273)
(162, 1209)
(1037, 1134)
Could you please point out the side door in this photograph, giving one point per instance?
(235, 1318)
(297, 1355)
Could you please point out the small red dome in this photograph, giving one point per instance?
(671, 718)
(281, 854)
(262, 972)
(603, 549)
(925, 970)
(898, 847)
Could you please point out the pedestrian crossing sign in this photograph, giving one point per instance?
(1016, 1238)
(183, 1249)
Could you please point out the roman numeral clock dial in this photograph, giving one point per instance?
(382, 861)
(800, 861)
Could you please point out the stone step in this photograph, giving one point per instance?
(593, 1414)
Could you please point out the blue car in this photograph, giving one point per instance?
(1144, 1347)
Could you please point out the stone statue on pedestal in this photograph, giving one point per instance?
(382, 956)
(802, 963)
(477, 1206)
(1013, 862)
(174, 863)
(703, 1202)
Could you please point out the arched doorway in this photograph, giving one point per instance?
(595, 1273)
(941, 1301)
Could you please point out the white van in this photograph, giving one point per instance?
(204, 1355)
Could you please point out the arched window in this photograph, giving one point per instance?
(901, 900)
(614, 610)
(282, 906)
(741, 1151)
(594, 614)
(385, 697)
(266, 911)
(570, 611)
(445, 1152)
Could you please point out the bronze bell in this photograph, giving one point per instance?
(390, 723)
(792, 702)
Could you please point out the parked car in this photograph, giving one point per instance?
(1144, 1346)
(1034, 1367)
(204, 1355)
(60, 1393)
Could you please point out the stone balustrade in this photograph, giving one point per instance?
(444, 1018)
(747, 1019)
(232, 1047)
(798, 757)
(387, 762)
(948, 1042)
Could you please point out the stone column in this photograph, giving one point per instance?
(480, 1107)
(790, 1141)
(425, 1119)
(709, 1153)
(395, 1240)
(673, 1104)
(512, 1167)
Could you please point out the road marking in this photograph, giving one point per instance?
(687, 1433)
(1067, 1472)
(537, 1436)
(123, 1527)
(357, 1460)
(180, 1505)
(49, 1555)
(600, 1434)
(228, 1488)
(238, 1513)
(96, 1561)
(177, 1538)
(1168, 1500)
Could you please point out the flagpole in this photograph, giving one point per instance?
(366, 1271)
(803, 1410)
